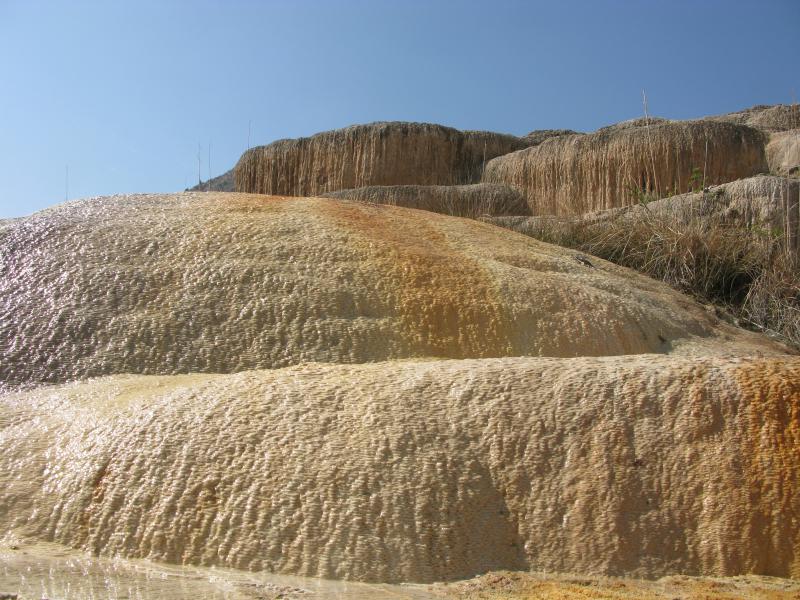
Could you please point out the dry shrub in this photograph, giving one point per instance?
(745, 270)
(773, 299)
(708, 259)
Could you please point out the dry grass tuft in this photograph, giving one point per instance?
(751, 269)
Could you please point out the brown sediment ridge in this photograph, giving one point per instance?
(392, 153)
(421, 470)
(219, 283)
(471, 201)
(577, 174)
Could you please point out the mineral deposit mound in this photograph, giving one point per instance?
(539, 135)
(754, 202)
(758, 203)
(487, 401)
(367, 155)
(421, 471)
(770, 118)
(783, 152)
(616, 166)
(473, 201)
(220, 283)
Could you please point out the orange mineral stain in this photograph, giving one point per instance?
(771, 390)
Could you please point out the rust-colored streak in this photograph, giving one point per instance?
(447, 304)
(772, 392)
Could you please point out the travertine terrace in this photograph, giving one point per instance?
(220, 283)
(762, 201)
(405, 154)
(421, 471)
(769, 118)
(594, 420)
(355, 387)
(391, 153)
(537, 136)
(783, 152)
(576, 174)
(473, 201)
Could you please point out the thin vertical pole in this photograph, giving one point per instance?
(705, 163)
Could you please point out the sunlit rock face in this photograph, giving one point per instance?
(763, 201)
(220, 283)
(375, 154)
(486, 401)
(768, 118)
(615, 166)
(421, 471)
(783, 152)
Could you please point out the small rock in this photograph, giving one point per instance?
(584, 260)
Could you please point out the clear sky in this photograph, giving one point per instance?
(123, 92)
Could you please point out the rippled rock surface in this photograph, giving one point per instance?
(488, 401)
(220, 283)
(421, 471)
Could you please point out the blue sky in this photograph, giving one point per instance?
(122, 92)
